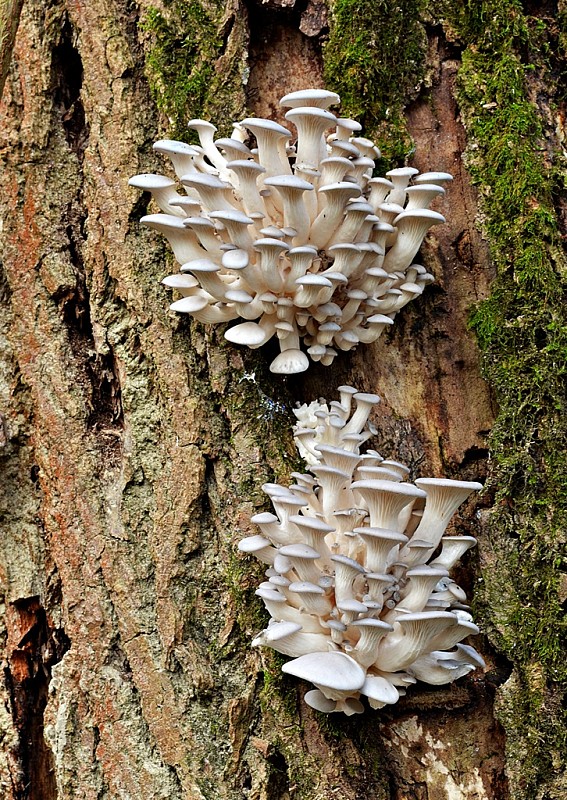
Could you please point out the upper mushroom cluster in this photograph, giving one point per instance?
(293, 235)
(358, 567)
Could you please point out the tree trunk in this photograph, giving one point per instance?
(134, 443)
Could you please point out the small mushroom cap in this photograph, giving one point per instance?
(264, 518)
(420, 213)
(258, 124)
(317, 700)
(310, 97)
(376, 687)
(189, 305)
(290, 362)
(171, 146)
(289, 182)
(179, 281)
(247, 333)
(253, 543)
(348, 562)
(312, 522)
(235, 259)
(333, 670)
(299, 551)
(200, 265)
(473, 486)
(433, 177)
(402, 172)
(305, 587)
(149, 181)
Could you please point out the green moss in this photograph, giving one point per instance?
(196, 62)
(522, 332)
(374, 59)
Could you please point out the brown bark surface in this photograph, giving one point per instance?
(134, 445)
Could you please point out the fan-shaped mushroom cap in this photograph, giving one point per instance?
(248, 173)
(212, 191)
(161, 188)
(400, 177)
(433, 177)
(365, 402)
(182, 241)
(346, 572)
(183, 283)
(291, 189)
(421, 582)
(411, 638)
(381, 546)
(380, 691)
(302, 558)
(371, 633)
(454, 547)
(247, 333)
(422, 195)
(271, 139)
(317, 700)
(335, 674)
(385, 500)
(412, 227)
(198, 306)
(205, 130)
(313, 531)
(311, 597)
(444, 496)
(319, 98)
(182, 155)
(279, 609)
(311, 122)
(289, 638)
(234, 149)
(290, 362)
(258, 546)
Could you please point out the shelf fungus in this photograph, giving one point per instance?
(358, 562)
(287, 230)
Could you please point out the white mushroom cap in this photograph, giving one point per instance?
(433, 177)
(335, 674)
(311, 123)
(271, 139)
(319, 98)
(182, 241)
(385, 500)
(444, 496)
(411, 638)
(380, 691)
(412, 227)
(381, 546)
(454, 547)
(371, 632)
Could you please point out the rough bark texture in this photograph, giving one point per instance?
(133, 444)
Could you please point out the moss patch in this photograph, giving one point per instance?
(522, 332)
(374, 59)
(196, 63)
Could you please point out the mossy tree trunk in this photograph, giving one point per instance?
(133, 443)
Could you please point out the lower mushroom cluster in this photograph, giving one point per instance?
(358, 567)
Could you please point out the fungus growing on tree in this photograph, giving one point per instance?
(300, 240)
(358, 583)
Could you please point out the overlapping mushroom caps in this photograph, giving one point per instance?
(358, 581)
(299, 240)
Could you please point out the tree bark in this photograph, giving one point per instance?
(133, 443)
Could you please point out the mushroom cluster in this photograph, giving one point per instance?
(299, 240)
(358, 582)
